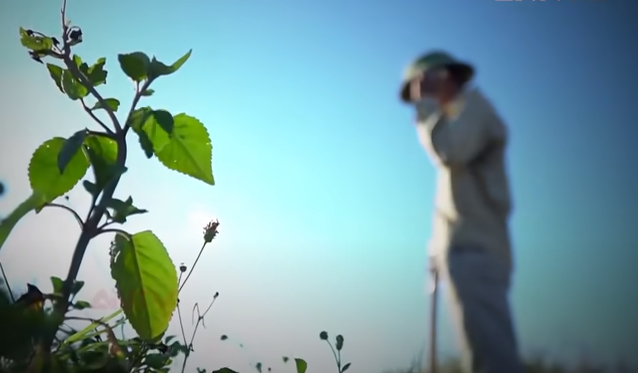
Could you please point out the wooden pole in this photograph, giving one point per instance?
(433, 320)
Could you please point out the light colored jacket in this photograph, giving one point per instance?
(467, 145)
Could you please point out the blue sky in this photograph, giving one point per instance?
(324, 195)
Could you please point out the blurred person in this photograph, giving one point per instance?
(470, 244)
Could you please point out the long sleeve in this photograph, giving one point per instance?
(460, 139)
(472, 203)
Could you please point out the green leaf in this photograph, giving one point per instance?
(176, 348)
(189, 149)
(323, 335)
(345, 367)
(44, 174)
(91, 188)
(148, 92)
(56, 74)
(302, 366)
(158, 68)
(123, 209)
(96, 73)
(7, 224)
(146, 281)
(57, 284)
(77, 286)
(156, 361)
(71, 147)
(111, 103)
(36, 43)
(72, 87)
(102, 153)
(78, 62)
(81, 305)
(135, 65)
(87, 331)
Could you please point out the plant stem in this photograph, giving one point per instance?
(96, 119)
(181, 323)
(89, 231)
(97, 213)
(6, 281)
(113, 230)
(193, 267)
(334, 353)
(200, 319)
(188, 352)
(67, 208)
(179, 311)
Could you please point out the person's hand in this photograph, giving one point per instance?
(415, 89)
(428, 84)
(433, 265)
(423, 86)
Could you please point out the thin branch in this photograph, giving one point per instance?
(101, 134)
(190, 344)
(181, 322)
(93, 205)
(95, 118)
(179, 312)
(208, 309)
(86, 83)
(6, 281)
(113, 230)
(67, 208)
(195, 307)
(106, 224)
(334, 353)
(200, 320)
(192, 267)
(136, 100)
(80, 318)
(63, 14)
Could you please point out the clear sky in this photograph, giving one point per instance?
(323, 192)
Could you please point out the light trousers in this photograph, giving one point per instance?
(478, 286)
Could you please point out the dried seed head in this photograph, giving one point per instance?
(210, 231)
(75, 35)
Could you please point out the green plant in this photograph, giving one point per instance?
(336, 350)
(146, 278)
(300, 364)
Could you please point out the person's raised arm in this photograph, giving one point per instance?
(460, 139)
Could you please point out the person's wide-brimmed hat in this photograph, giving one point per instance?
(432, 60)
